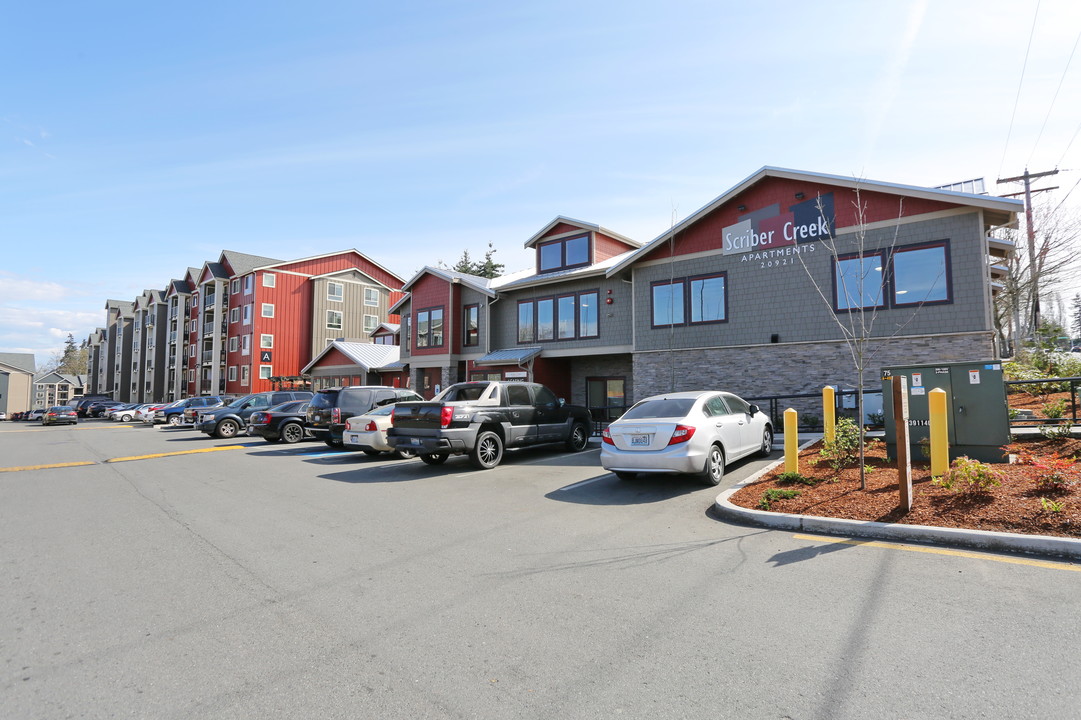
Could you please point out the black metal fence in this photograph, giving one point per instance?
(1056, 411)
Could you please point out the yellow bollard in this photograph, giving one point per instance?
(791, 442)
(940, 443)
(829, 413)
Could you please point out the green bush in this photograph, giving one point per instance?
(1059, 431)
(969, 476)
(795, 477)
(1050, 505)
(1056, 409)
(844, 449)
(774, 494)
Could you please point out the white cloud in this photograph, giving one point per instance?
(17, 287)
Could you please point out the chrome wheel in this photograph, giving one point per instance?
(292, 433)
(767, 443)
(714, 469)
(579, 438)
(174, 420)
(488, 452)
(227, 429)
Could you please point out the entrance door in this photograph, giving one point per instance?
(605, 398)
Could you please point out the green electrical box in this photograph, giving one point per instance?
(978, 421)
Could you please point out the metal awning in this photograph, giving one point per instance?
(398, 366)
(509, 356)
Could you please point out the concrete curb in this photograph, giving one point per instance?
(978, 539)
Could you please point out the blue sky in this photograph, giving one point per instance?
(138, 139)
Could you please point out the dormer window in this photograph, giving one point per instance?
(563, 254)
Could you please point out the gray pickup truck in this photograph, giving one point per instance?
(482, 418)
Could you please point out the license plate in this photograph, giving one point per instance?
(352, 439)
(639, 440)
(414, 441)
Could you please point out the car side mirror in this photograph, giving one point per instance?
(562, 402)
(754, 409)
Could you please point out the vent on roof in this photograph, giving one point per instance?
(972, 187)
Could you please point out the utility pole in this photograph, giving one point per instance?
(1027, 178)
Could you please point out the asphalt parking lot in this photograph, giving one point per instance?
(160, 573)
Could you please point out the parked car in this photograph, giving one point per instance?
(174, 414)
(191, 413)
(59, 415)
(35, 414)
(122, 413)
(3, 416)
(146, 414)
(98, 408)
(368, 433)
(82, 407)
(694, 433)
(281, 423)
(226, 421)
(332, 407)
(482, 418)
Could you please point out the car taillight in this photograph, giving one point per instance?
(606, 437)
(370, 427)
(335, 415)
(681, 434)
(445, 416)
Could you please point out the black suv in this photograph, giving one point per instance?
(226, 421)
(330, 408)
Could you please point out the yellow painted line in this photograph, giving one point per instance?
(48, 467)
(943, 551)
(171, 454)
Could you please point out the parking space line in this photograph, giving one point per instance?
(48, 467)
(943, 551)
(171, 454)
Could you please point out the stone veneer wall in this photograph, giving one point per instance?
(795, 368)
(601, 366)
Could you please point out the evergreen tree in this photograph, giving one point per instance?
(487, 268)
(1075, 316)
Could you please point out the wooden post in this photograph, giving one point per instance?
(829, 413)
(900, 421)
(940, 439)
(791, 441)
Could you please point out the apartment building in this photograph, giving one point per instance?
(54, 388)
(16, 382)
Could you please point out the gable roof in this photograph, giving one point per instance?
(580, 224)
(527, 278)
(480, 284)
(123, 307)
(366, 355)
(278, 263)
(998, 211)
(20, 361)
(242, 263)
(351, 271)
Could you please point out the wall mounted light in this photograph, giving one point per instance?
(800, 196)
(741, 208)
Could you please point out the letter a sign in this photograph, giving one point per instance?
(265, 356)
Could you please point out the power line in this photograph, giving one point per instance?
(1020, 84)
(1075, 132)
(1052, 106)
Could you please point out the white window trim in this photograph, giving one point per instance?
(234, 315)
(234, 343)
(247, 314)
(374, 323)
(245, 374)
(234, 286)
(266, 341)
(265, 372)
(341, 320)
(263, 310)
(331, 298)
(270, 280)
(248, 284)
(245, 345)
(375, 301)
(232, 373)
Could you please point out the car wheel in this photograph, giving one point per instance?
(767, 443)
(174, 420)
(626, 475)
(488, 451)
(714, 469)
(373, 453)
(433, 459)
(125, 418)
(292, 433)
(405, 454)
(226, 428)
(331, 442)
(579, 438)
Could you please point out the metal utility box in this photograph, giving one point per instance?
(976, 412)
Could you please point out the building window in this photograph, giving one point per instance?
(233, 343)
(244, 373)
(707, 299)
(606, 397)
(568, 317)
(667, 299)
(335, 291)
(245, 347)
(232, 373)
(268, 310)
(371, 322)
(247, 314)
(545, 319)
(858, 281)
(371, 297)
(234, 315)
(191, 351)
(234, 286)
(334, 320)
(588, 308)
(269, 280)
(525, 321)
(266, 341)
(265, 371)
(191, 376)
(562, 254)
(194, 325)
(471, 325)
(248, 284)
(921, 275)
(430, 328)
(407, 337)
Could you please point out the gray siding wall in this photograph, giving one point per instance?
(598, 366)
(614, 321)
(782, 299)
(352, 308)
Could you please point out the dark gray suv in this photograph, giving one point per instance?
(226, 421)
(330, 408)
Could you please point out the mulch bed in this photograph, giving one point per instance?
(1014, 506)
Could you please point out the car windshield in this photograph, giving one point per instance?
(660, 408)
(324, 399)
(240, 401)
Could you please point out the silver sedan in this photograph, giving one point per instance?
(687, 432)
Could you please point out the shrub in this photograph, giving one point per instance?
(1061, 431)
(1055, 473)
(1056, 409)
(774, 494)
(795, 477)
(1050, 505)
(877, 419)
(843, 450)
(810, 421)
(969, 476)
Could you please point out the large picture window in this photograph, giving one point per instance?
(904, 277)
(921, 275)
(567, 317)
(667, 303)
(707, 299)
(858, 281)
(562, 254)
(545, 319)
(430, 328)
(690, 301)
(525, 321)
